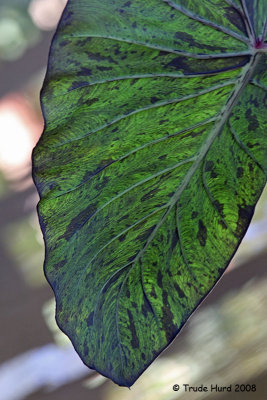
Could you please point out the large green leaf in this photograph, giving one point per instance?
(153, 157)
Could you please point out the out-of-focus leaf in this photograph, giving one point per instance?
(17, 31)
(26, 249)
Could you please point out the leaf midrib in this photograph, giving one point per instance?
(222, 119)
(198, 160)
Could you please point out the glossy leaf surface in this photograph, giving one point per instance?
(153, 157)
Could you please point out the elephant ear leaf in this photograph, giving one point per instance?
(152, 159)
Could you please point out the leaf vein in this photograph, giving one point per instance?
(206, 22)
(127, 230)
(222, 120)
(244, 147)
(258, 84)
(146, 296)
(168, 50)
(264, 31)
(164, 138)
(248, 23)
(151, 106)
(132, 187)
(211, 198)
(142, 76)
(189, 268)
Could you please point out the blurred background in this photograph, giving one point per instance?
(224, 342)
